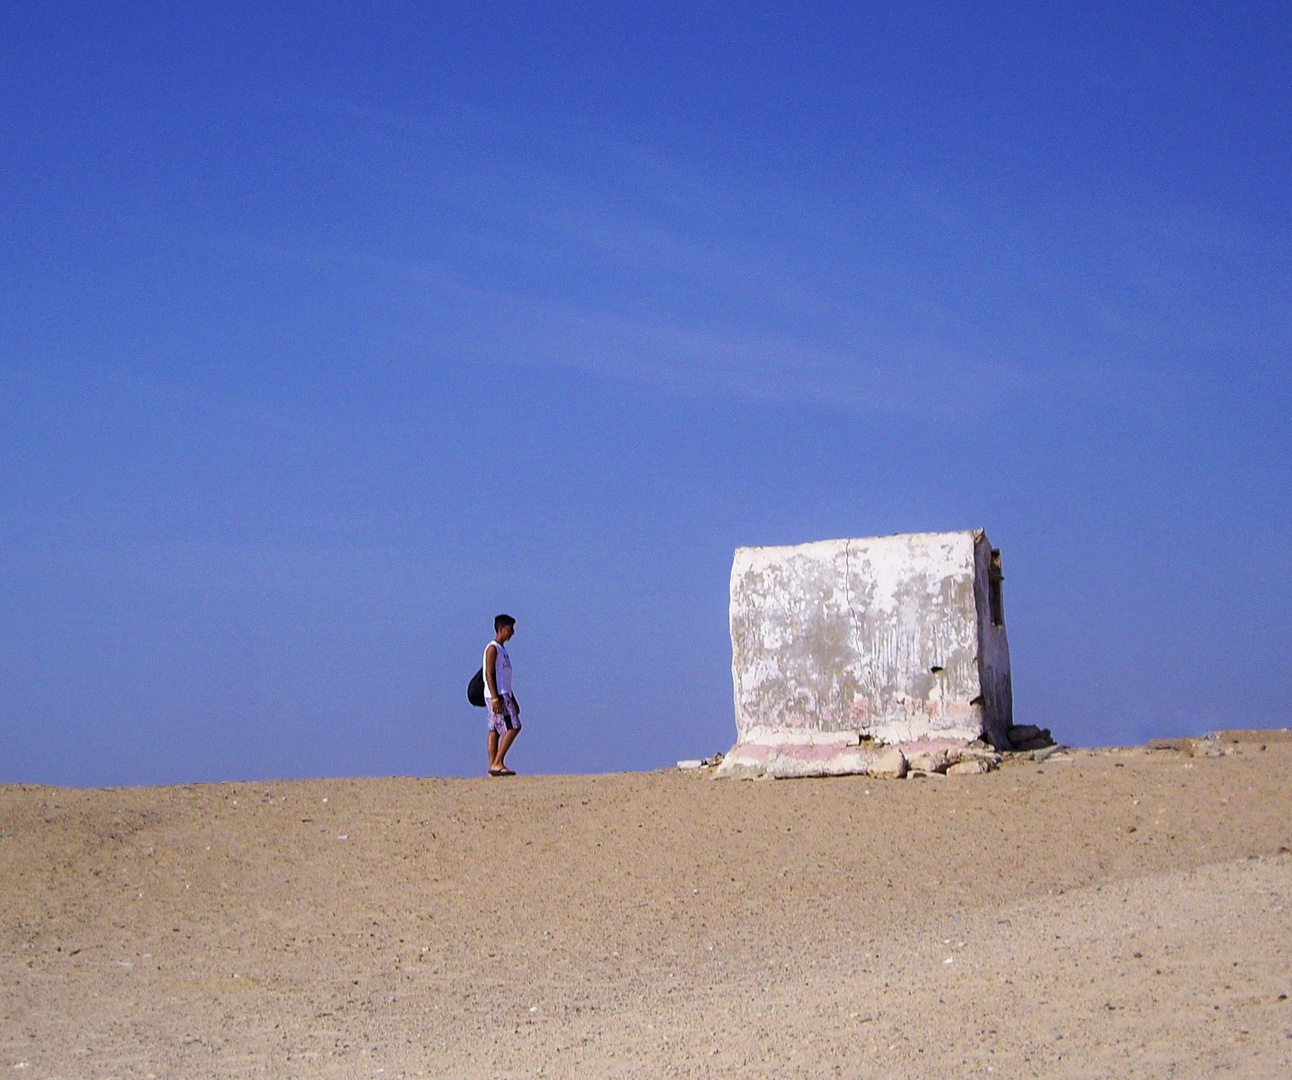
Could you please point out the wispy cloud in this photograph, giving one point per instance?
(519, 244)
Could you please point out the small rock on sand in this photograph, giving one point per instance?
(891, 765)
(1021, 733)
(969, 767)
(1029, 737)
(929, 761)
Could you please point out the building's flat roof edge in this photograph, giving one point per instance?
(974, 533)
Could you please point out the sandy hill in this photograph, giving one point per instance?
(1118, 913)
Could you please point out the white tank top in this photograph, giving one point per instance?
(501, 668)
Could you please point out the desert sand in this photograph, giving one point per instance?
(1104, 913)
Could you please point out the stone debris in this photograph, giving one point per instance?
(1223, 743)
(891, 761)
(1026, 737)
(976, 753)
(928, 762)
(1206, 746)
(968, 767)
(891, 765)
(1202, 747)
(700, 763)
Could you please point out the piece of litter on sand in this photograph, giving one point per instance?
(344, 836)
(949, 960)
(533, 1008)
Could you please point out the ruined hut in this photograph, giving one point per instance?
(842, 648)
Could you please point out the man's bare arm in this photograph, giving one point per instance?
(490, 665)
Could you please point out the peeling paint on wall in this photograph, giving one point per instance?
(886, 639)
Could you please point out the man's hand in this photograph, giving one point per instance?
(495, 704)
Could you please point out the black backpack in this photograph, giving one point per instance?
(475, 689)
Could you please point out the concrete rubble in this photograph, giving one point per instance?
(1222, 743)
(891, 765)
(883, 763)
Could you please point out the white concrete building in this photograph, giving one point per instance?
(843, 647)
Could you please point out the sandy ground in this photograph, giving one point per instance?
(1122, 913)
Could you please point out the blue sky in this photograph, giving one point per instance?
(328, 332)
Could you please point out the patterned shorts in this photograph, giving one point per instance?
(508, 719)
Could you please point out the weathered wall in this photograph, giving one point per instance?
(878, 638)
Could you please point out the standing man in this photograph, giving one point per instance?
(504, 709)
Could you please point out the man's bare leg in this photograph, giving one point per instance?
(504, 744)
(492, 747)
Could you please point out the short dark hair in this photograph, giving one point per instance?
(499, 621)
